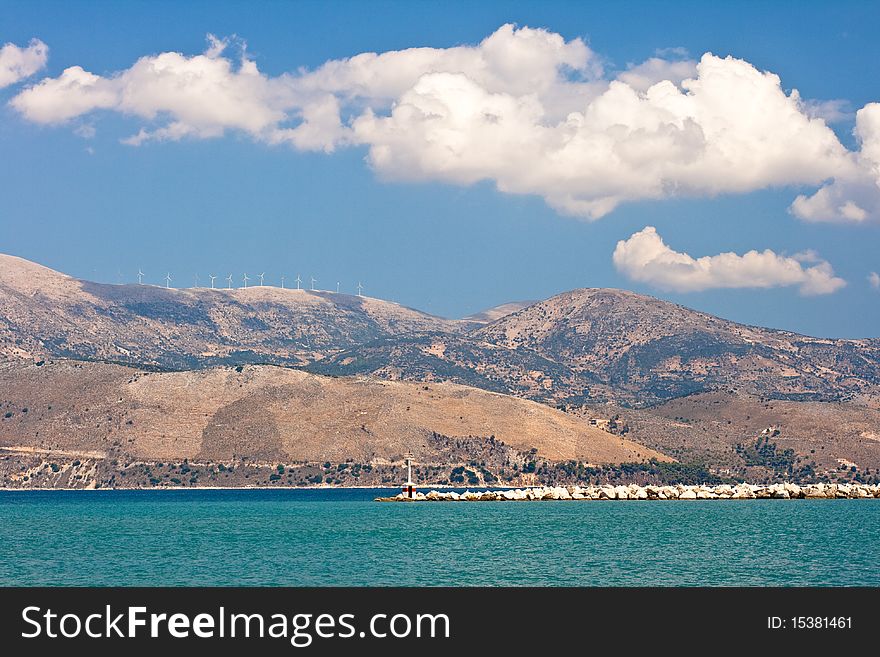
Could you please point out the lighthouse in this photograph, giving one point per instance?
(409, 488)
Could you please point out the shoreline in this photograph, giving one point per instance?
(197, 488)
(783, 491)
(743, 490)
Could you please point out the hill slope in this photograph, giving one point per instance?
(583, 345)
(645, 349)
(46, 313)
(460, 359)
(271, 415)
(596, 345)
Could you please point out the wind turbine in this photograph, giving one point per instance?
(140, 277)
(246, 279)
(212, 277)
(298, 281)
(197, 280)
(168, 280)
(314, 280)
(261, 278)
(229, 282)
(360, 289)
(282, 282)
(337, 287)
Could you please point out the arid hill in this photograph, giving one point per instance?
(461, 359)
(596, 345)
(581, 346)
(646, 350)
(84, 377)
(722, 428)
(44, 313)
(273, 415)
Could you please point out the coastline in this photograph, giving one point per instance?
(197, 488)
(743, 491)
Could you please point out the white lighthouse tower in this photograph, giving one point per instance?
(409, 488)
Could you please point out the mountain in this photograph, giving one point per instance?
(112, 417)
(461, 359)
(373, 379)
(646, 350)
(581, 346)
(611, 345)
(45, 313)
(722, 428)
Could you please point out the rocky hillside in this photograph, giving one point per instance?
(610, 345)
(462, 359)
(45, 313)
(644, 350)
(578, 347)
(65, 411)
(756, 438)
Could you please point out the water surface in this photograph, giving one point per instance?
(342, 537)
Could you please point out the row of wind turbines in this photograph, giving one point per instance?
(245, 279)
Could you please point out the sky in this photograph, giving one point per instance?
(726, 158)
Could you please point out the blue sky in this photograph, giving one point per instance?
(96, 208)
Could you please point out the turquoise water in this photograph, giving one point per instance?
(342, 537)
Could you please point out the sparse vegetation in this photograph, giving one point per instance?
(719, 384)
(767, 454)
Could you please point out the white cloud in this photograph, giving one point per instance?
(874, 280)
(19, 63)
(524, 108)
(854, 195)
(646, 258)
(203, 96)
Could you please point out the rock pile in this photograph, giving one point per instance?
(634, 492)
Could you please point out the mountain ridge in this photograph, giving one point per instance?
(673, 382)
(262, 416)
(587, 344)
(47, 313)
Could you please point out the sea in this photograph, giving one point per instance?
(324, 537)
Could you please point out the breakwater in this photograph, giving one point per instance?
(636, 492)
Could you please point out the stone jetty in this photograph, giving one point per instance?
(786, 491)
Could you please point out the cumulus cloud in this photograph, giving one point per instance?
(19, 63)
(854, 195)
(729, 129)
(874, 280)
(525, 108)
(646, 258)
(203, 95)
